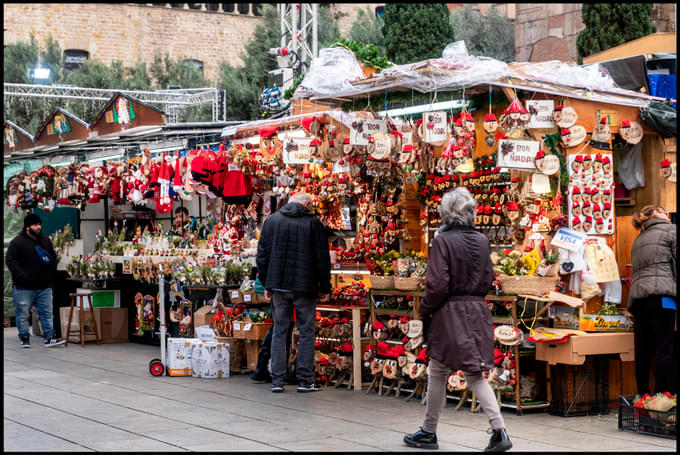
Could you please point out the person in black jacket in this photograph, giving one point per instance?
(32, 261)
(294, 267)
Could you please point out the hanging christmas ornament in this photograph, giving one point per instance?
(566, 116)
(573, 136)
(630, 131)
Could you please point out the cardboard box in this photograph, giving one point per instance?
(566, 317)
(237, 355)
(74, 336)
(178, 356)
(252, 352)
(576, 348)
(210, 360)
(111, 322)
(605, 323)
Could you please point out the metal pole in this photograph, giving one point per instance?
(161, 304)
(315, 36)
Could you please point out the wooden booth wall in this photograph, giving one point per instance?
(45, 136)
(144, 116)
(23, 142)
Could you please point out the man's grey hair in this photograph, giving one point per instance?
(458, 208)
(300, 198)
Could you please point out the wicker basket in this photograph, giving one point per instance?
(381, 282)
(257, 331)
(407, 284)
(524, 284)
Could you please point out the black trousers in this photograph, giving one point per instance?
(654, 328)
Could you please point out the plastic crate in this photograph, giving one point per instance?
(579, 390)
(640, 420)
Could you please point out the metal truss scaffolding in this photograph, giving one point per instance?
(170, 102)
(299, 29)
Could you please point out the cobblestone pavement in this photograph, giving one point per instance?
(102, 398)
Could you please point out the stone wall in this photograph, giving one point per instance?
(134, 32)
(547, 31)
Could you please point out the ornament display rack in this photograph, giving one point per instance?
(357, 339)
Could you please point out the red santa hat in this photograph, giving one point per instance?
(625, 124)
(382, 349)
(587, 158)
(596, 208)
(404, 319)
(488, 209)
(515, 107)
(558, 108)
(422, 356)
(589, 219)
(378, 326)
(512, 205)
(606, 160)
(540, 154)
(665, 163)
(566, 131)
(607, 206)
(346, 140)
(267, 131)
(599, 221)
(407, 148)
(498, 209)
(586, 204)
(603, 120)
(490, 118)
(598, 157)
(579, 158)
(576, 220)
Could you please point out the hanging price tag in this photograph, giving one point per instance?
(234, 294)
(247, 327)
(247, 298)
(237, 326)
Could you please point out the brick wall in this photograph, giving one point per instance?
(548, 31)
(132, 32)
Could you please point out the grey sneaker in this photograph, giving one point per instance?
(25, 343)
(277, 388)
(52, 342)
(305, 387)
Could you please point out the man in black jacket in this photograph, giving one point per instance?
(294, 267)
(33, 263)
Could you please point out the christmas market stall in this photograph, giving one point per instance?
(553, 153)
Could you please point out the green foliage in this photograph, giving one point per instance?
(367, 28)
(327, 29)
(492, 35)
(612, 24)
(365, 53)
(415, 32)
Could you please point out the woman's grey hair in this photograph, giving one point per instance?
(458, 208)
(300, 198)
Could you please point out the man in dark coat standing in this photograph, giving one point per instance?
(32, 261)
(294, 267)
(457, 322)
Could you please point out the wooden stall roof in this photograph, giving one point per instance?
(656, 43)
(19, 136)
(75, 132)
(141, 114)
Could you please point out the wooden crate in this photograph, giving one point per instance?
(579, 390)
(252, 348)
(237, 355)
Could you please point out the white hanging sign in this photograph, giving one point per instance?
(517, 154)
(434, 127)
(361, 129)
(541, 113)
(296, 151)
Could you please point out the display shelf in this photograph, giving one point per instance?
(402, 312)
(397, 292)
(356, 339)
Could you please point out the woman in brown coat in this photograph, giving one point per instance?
(651, 299)
(457, 321)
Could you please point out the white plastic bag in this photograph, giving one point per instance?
(612, 291)
(631, 170)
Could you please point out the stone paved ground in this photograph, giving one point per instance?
(102, 398)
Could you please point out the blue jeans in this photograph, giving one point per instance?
(24, 299)
(305, 318)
